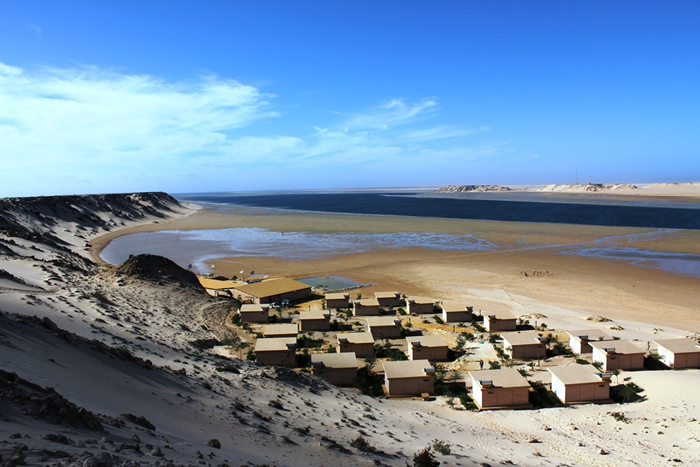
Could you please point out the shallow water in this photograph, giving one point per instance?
(330, 282)
(197, 246)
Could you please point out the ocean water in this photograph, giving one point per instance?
(526, 207)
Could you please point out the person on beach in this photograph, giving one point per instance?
(481, 364)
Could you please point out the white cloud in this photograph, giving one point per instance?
(393, 113)
(61, 129)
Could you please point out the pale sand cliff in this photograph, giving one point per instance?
(192, 396)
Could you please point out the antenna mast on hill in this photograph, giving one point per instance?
(577, 176)
(589, 177)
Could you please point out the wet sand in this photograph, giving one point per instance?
(584, 285)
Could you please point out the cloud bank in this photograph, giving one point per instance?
(88, 129)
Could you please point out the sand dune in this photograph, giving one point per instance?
(123, 344)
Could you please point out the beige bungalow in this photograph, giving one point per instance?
(365, 307)
(388, 299)
(409, 378)
(316, 320)
(336, 368)
(433, 348)
(576, 384)
(679, 353)
(618, 355)
(454, 312)
(420, 305)
(277, 351)
(579, 341)
(254, 313)
(384, 327)
(281, 330)
(272, 290)
(361, 343)
(524, 345)
(337, 300)
(500, 321)
(504, 388)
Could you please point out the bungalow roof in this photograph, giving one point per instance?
(521, 338)
(387, 294)
(271, 287)
(380, 321)
(421, 300)
(367, 302)
(427, 341)
(216, 284)
(679, 345)
(253, 308)
(337, 296)
(502, 315)
(272, 330)
(620, 347)
(578, 374)
(452, 307)
(334, 360)
(314, 315)
(501, 378)
(593, 335)
(357, 337)
(270, 344)
(408, 369)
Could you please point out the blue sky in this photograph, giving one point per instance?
(180, 96)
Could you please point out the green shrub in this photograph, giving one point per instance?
(362, 444)
(468, 402)
(425, 458)
(442, 447)
(368, 383)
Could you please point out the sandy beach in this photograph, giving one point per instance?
(585, 285)
(133, 341)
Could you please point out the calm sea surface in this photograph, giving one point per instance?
(518, 207)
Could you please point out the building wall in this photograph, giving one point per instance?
(456, 317)
(359, 310)
(344, 303)
(276, 358)
(337, 376)
(618, 361)
(526, 352)
(361, 350)
(387, 332)
(583, 392)
(680, 360)
(410, 386)
(389, 302)
(419, 308)
(255, 316)
(578, 346)
(493, 325)
(500, 397)
(315, 325)
(428, 353)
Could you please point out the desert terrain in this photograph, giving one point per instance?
(132, 352)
